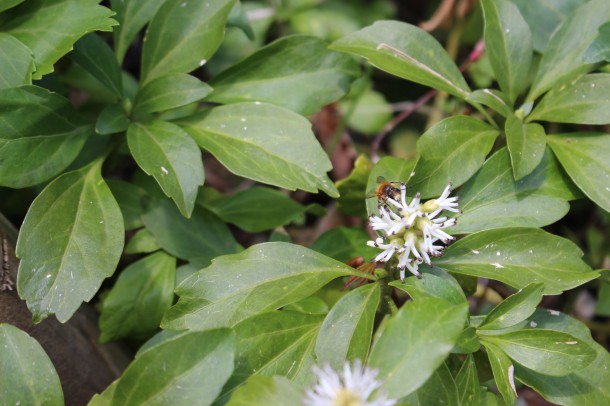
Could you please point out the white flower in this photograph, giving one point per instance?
(412, 229)
(352, 387)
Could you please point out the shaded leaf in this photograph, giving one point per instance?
(343, 244)
(406, 51)
(584, 156)
(353, 187)
(28, 375)
(143, 241)
(518, 257)
(266, 143)
(526, 144)
(440, 388)
(467, 382)
(169, 92)
(16, 62)
(504, 372)
(96, 57)
(112, 120)
(599, 50)
(130, 198)
(57, 274)
(41, 135)
(264, 277)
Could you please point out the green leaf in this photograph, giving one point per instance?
(266, 390)
(104, 398)
(467, 383)
(309, 305)
(602, 307)
(545, 351)
(322, 76)
(587, 386)
(41, 135)
(265, 143)
(434, 283)
(130, 198)
(353, 187)
(418, 338)
(504, 372)
(493, 199)
(492, 98)
(264, 277)
(168, 154)
(6, 4)
(406, 51)
(518, 257)
(346, 331)
(198, 239)
(28, 375)
(451, 152)
(50, 29)
(564, 55)
(584, 156)
(182, 36)
(371, 111)
(343, 244)
(143, 241)
(112, 120)
(526, 144)
(468, 342)
(514, 309)
(140, 296)
(257, 209)
(132, 15)
(508, 42)
(93, 54)
(16, 62)
(583, 101)
(275, 343)
(170, 91)
(192, 368)
(439, 389)
(599, 50)
(392, 169)
(80, 214)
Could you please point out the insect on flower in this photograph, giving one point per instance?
(386, 190)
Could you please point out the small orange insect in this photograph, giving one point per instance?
(385, 190)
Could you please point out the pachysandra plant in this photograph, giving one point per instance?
(228, 321)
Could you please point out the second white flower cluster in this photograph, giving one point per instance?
(411, 231)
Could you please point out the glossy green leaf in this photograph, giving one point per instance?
(493, 199)
(352, 188)
(587, 386)
(132, 15)
(508, 42)
(392, 169)
(518, 257)
(182, 36)
(191, 369)
(583, 101)
(198, 239)
(433, 283)
(451, 151)
(322, 76)
(406, 51)
(266, 390)
(164, 151)
(343, 244)
(545, 351)
(584, 156)
(504, 372)
(142, 293)
(526, 144)
(418, 338)
(492, 98)
(28, 375)
(16, 62)
(56, 274)
(346, 331)
(264, 277)
(112, 120)
(440, 389)
(514, 309)
(564, 55)
(467, 383)
(169, 92)
(93, 54)
(266, 143)
(41, 135)
(544, 17)
(257, 209)
(142, 242)
(50, 29)
(275, 343)
(130, 198)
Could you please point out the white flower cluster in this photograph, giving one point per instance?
(411, 231)
(354, 386)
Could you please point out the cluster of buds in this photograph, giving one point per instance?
(411, 231)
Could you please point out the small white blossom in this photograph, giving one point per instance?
(411, 230)
(354, 386)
